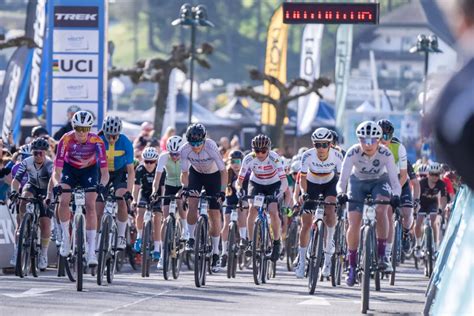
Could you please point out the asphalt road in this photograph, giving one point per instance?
(131, 294)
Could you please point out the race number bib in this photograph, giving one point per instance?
(258, 200)
(80, 198)
(172, 207)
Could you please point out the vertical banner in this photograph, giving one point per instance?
(343, 67)
(170, 114)
(275, 62)
(77, 58)
(309, 69)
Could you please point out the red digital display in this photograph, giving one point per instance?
(330, 13)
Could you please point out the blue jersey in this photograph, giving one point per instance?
(120, 154)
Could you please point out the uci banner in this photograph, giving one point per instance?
(310, 70)
(77, 59)
(275, 62)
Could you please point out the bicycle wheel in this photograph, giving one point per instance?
(103, 247)
(232, 251)
(429, 250)
(258, 252)
(167, 246)
(291, 245)
(25, 240)
(177, 251)
(200, 253)
(111, 262)
(336, 262)
(316, 257)
(146, 250)
(396, 247)
(35, 248)
(80, 227)
(367, 249)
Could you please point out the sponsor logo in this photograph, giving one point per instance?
(11, 99)
(6, 232)
(376, 163)
(69, 16)
(71, 65)
(39, 28)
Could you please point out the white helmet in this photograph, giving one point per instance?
(112, 125)
(150, 153)
(82, 119)
(302, 150)
(369, 129)
(435, 168)
(25, 150)
(296, 166)
(286, 163)
(321, 135)
(423, 169)
(173, 143)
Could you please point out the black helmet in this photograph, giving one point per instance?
(196, 133)
(261, 141)
(38, 131)
(335, 137)
(40, 144)
(387, 127)
(236, 154)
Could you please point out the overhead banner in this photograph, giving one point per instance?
(310, 70)
(343, 68)
(275, 62)
(77, 59)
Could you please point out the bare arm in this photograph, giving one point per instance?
(15, 185)
(185, 179)
(156, 182)
(223, 179)
(130, 177)
(403, 176)
(104, 176)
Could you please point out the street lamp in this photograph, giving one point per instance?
(426, 45)
(192, 16)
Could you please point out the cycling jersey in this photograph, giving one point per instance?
(318, 171)
(173, 169)
(79, 155)
(266, 172)
(120, 154)
(429, 196)
(364, 167)
(144, 178)
(208, 160)
(23, 180)
(37, 176)
(399, 153)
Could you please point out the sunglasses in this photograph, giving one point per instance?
(368, 141)
(196, 144)
(82, 129)
(174, 154)
(422, 175)
(236, 161)
(149, 162)
(260, 151)
(321, 145)
(38, 153)
(387, 136)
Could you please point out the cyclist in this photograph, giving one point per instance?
(335, 143)
(202, 167)
(169, 169)
(433, 198)
(399, 152)
(37, 171)
(319, 174)
(119, 150)
(267, 178)
(78, 153)
(233, 169)
(423, 171)
(142, 190)
(364, 169)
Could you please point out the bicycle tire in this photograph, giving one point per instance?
(177, 253)
(395, 251)
(23, 257)
(291, 245)
(231, 250)
(167, 246)
(103, 248)
(111, 262)
(367, 254)
(429, 250)
(146, 250)
(200, 252)
(258, 253)
(374, 267)
(61, 268)
(316, 257)
(80, 227)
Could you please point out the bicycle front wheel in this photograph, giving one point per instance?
(366, 256)
(111, 262)
(103, 247)
(316, 257)
(167, 246)
(24, 246)
(258, 252)
(146, 249)
(200, 253)
(291, 245)
(80, 227)
(396, 250)
(177, 251)
(232, 251)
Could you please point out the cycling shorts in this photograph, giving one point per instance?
(211, 182)
(358, 190)
(44, 212)
(170, 190)
(269, 189)
(85, 177)
(314, 190)
(117, 180)
(144, 201)
(406, 199)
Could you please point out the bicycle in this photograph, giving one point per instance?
(233, 247)
(397, 245)
(292, 240)
(367, 259)
(428, 246)
(28, 240)
(340, 246)
(147, 239)
(316, 249)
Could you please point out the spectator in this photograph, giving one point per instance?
(170, 131)
(68, 127)
(235, 143)
(224, 147)
(144, 137)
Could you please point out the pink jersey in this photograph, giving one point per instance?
(79, 155)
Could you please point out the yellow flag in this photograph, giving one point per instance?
(275, 62)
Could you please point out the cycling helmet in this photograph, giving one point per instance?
(423, 169)
(40, 144)
(302, 150)
(236, 154)
(295, 166)
(38, 131)
(196, 133)
(173, 144)
(25, 150)
(435, 168)
(112, 125)
(369, 129)
(82, 119)
(335, 137)
(261, 141)
(387, 127)
(150, 153)
(286, 163)
(321, 135)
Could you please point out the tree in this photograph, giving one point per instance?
(159, 70)
(286, 96)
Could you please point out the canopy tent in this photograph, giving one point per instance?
(236, 111)
(326, 116)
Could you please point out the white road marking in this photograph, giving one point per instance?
(316, 301)
(31, 292)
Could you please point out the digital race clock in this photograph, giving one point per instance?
(330, 13)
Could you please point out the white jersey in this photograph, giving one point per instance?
(320, 172)
(264, 172)
(208, 160)
(364, 167)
